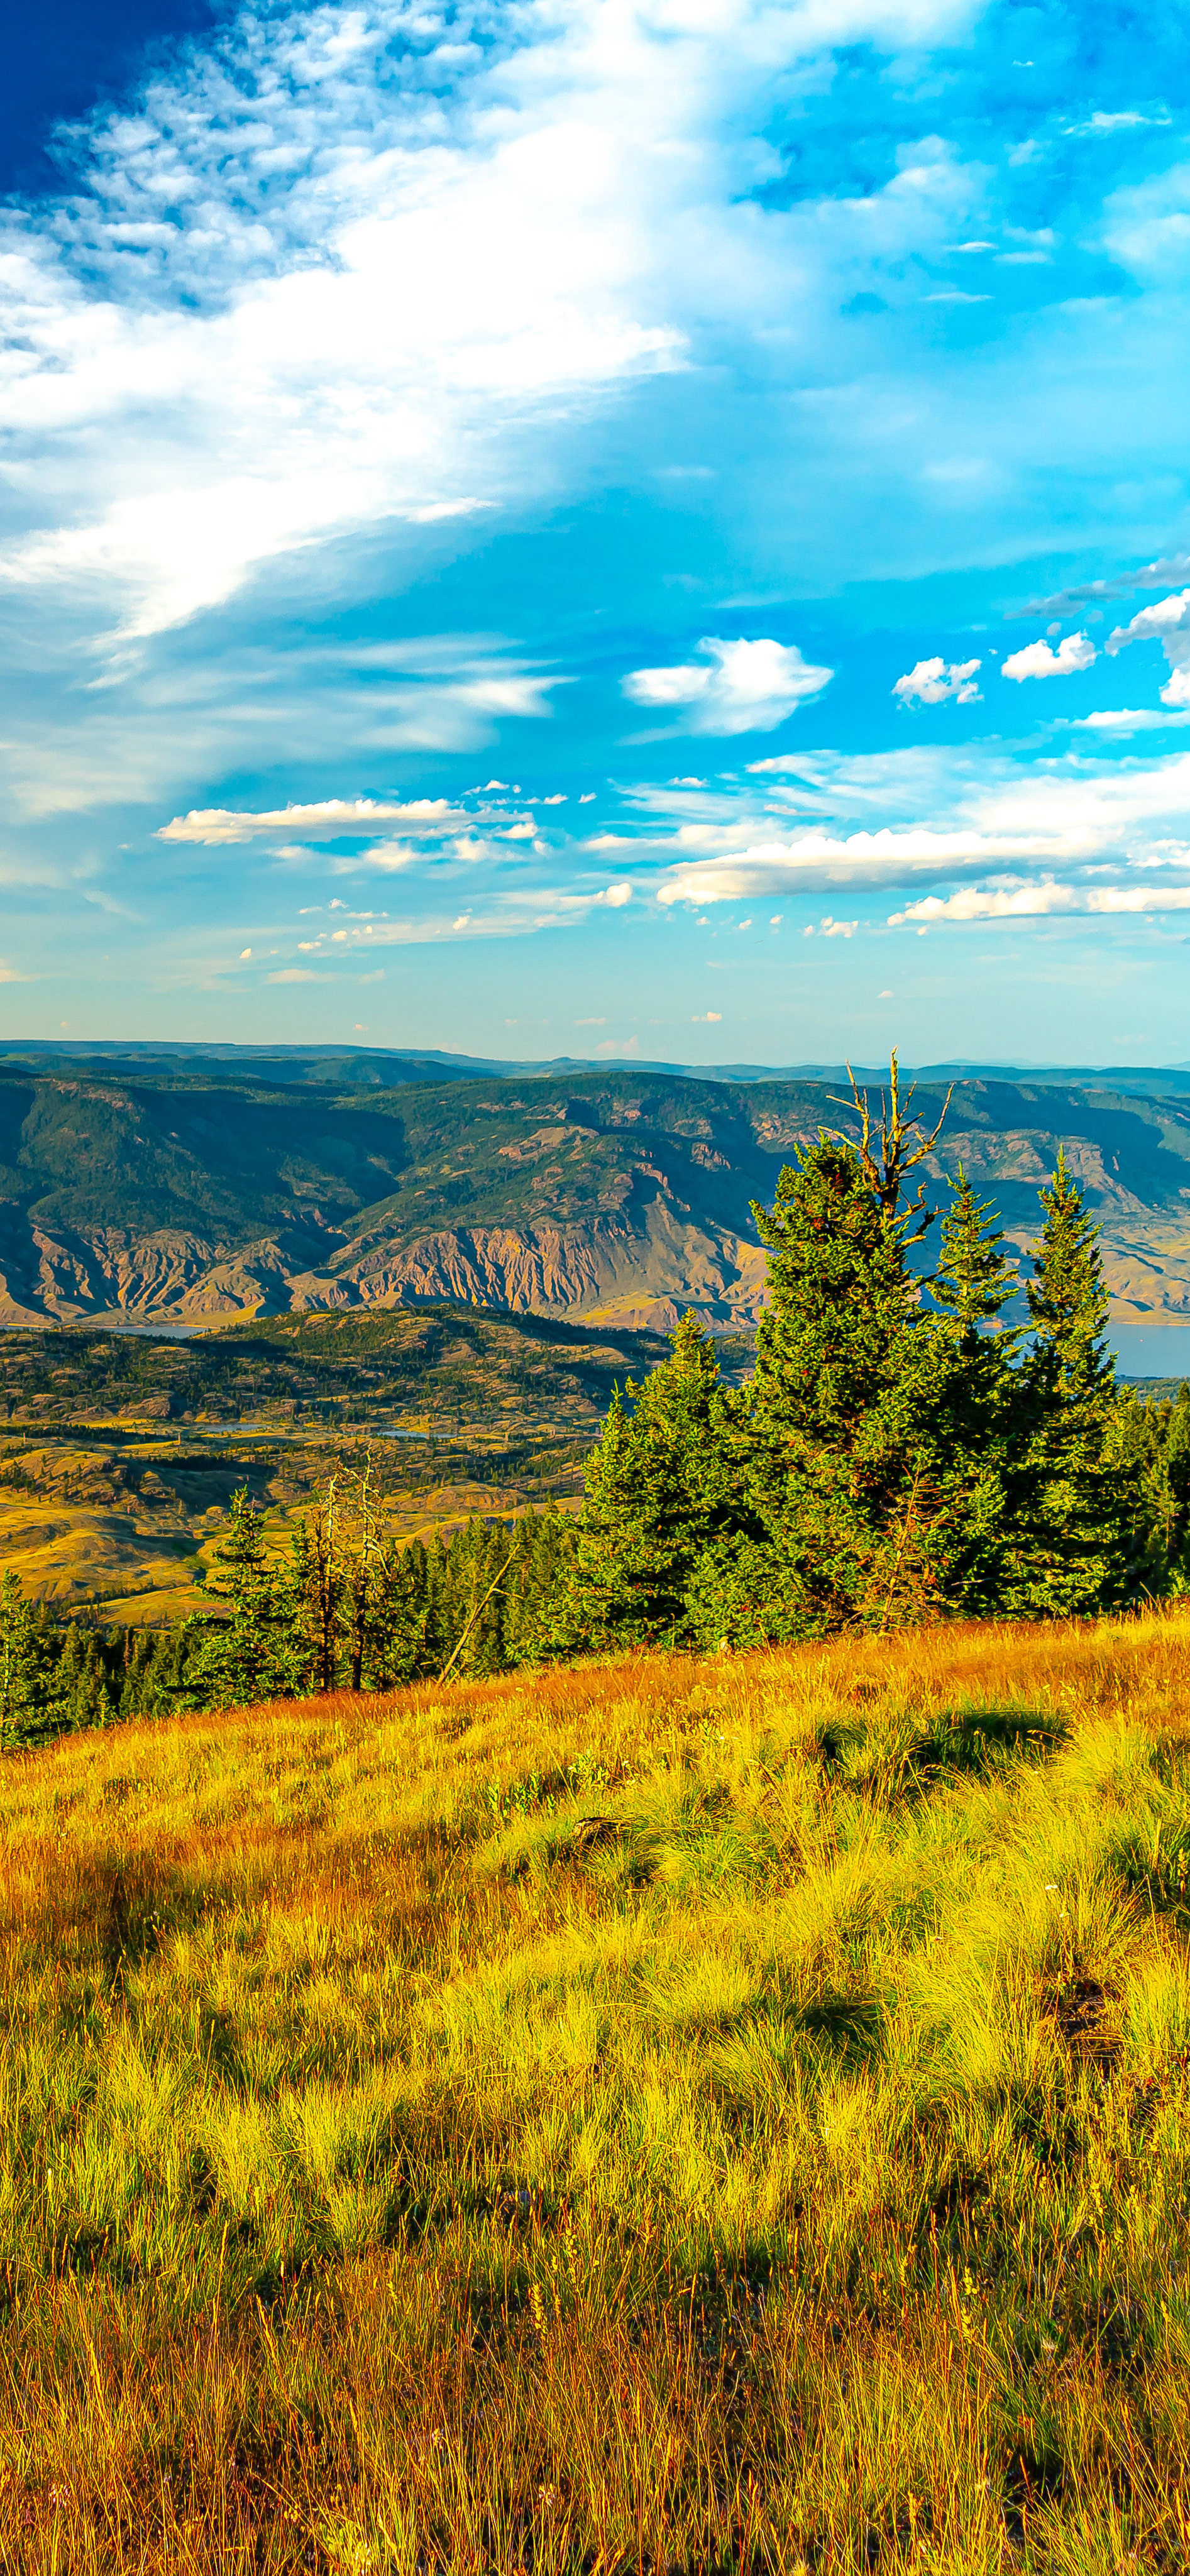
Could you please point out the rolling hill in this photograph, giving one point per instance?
(188, 1190)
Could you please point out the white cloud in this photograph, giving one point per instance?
(706, 1019)
(1040, 662)
(742, 687)
(1168, 621)
(975, 809)
(1147, 228)
(928, 683)
(1127, 720)
(1017, 902)
(335, 818)
(355, 263)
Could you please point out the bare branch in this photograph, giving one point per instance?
(897, 1127)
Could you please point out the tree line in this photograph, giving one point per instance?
(900, 1453)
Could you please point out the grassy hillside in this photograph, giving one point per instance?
(119, 1455)
(180, 1192)
(659, 2116)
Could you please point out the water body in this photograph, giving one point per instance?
(1157, 1350)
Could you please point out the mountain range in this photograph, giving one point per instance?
(189, 1187)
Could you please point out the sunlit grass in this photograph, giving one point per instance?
(669, 2115)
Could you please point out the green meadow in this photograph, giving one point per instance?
(658, 2115)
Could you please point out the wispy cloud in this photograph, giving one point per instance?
(955, 813)
(383, 376)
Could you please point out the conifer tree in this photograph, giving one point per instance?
(981, 1417)
(843, 1521)
(1176, 1463)
(24, 1695)
(261, 1651)
(1068, 1304)
(975, 1279)
(1090, 1507)
(658, 1490)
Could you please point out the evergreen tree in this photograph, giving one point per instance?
(1067, 1298)
(538, 1583)
(1090, 1507)
(1176, 1464)
(981, 1419)
(841, 1519)
(25, 1691)
(975, 1279)
(658, 1494)
(830, 1410)
(261, 1651)
(398, 1644)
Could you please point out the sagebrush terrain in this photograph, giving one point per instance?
(660, 2115)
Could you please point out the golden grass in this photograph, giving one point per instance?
(669, 2115)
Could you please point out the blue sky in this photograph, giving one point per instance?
(584, 527)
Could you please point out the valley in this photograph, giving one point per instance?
(453, 1273)
(119, 1455)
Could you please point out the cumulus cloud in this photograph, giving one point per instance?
(928, 683)
(1040, 662)
(1168, 621)
(742, 687)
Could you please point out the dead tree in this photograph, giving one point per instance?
(903, 1144)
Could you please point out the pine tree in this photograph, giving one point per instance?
(538, 1583)
(827, 1462)
(975, 1279)
(1176, 1462)
(25, 1692)
(843, 1521)
(1068, 1304)
(658, 1490)
(1090, 1506)
(981, 1418)
(262, 1650)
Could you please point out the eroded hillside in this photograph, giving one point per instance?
(179, 1195)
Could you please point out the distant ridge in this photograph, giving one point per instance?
(165, 1186)
(378, 1066)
